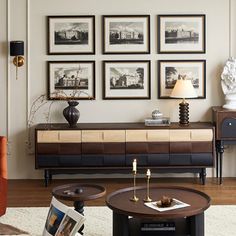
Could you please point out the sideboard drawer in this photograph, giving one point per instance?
(228, 128)
(103, 136)
(70, 136)
(136, 135)
(92, 136)
(180, 135)
(158, 135)
(47, 136)
(203, 135)
(147, 135)
(113, 136)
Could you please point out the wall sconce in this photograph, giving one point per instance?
(17, 50)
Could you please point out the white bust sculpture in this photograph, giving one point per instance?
(228, 83)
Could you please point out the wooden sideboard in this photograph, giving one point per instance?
(111, 148)
(225, 123)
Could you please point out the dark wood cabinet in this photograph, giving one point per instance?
(111, 148)
(225, 123)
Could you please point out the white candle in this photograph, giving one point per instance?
(148, 173)
(135, 165)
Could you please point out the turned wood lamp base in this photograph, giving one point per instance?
(184, 113)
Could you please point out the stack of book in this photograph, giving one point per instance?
(157, 228)
(162, 121)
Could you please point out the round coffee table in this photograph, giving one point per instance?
(79, 193)
(131, 215)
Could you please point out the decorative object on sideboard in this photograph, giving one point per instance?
(183, 89)
(41, 102)
(17, 51)
(157, 119)
(71, 114)
(228, 83)
(156, 114)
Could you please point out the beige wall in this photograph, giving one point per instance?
(26, 19)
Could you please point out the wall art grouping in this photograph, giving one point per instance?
(124, 34)
(171, 70)
(71, 34)
(126, 80)
(181, 34)
(71, 80)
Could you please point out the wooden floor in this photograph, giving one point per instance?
(32, 193)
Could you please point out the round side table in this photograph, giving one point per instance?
(79, 193)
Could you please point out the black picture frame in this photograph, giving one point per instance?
(176, 67)
(70, 82)
(64, 41)
(173, 40)
(116, 41)
(127, 76)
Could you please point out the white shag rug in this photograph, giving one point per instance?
(219, 220)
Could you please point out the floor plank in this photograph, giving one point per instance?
(32, 193)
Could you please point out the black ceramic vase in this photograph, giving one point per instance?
(71, 114)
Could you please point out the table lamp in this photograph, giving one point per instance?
(183, 89)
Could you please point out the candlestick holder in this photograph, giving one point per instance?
(134, 198)
(148, 199)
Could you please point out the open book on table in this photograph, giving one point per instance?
(62, 220)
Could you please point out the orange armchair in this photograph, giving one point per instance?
(3, 175)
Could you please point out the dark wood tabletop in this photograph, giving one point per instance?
(120, 203)
(78, 192)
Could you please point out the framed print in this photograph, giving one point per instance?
(71, 34)
(126, 80)
(170, 71)
(71, 80)
(124, 34)
(181, 34)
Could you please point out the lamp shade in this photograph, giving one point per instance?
(17, 48)
(183, 89)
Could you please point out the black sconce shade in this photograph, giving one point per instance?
(17, 48)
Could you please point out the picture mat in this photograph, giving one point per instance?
(70, 48)
(200, 67)
(177, 205)
(127, 92)
(183, 46)
(126, 47)
(54, 66)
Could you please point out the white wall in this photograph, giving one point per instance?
(27, 20)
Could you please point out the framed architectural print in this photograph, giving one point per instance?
(170, 71)
(71, 34)
(181, 34)
(126, 80)
(71, 80)
(124, 34)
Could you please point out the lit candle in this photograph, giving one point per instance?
(135, 165)
(148, 173)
